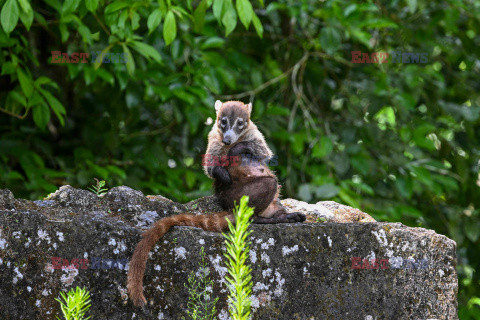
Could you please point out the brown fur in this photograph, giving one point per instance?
(251, 133)
(256, 181)
(216, 222)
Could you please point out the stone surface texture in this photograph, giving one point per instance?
(322, 269)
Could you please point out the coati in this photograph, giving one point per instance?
(233, 134)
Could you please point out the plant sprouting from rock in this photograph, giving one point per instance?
(239, 273)
(200, 287)
(75, 304)
(98, 188)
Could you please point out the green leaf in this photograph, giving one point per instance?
(199, 15)
(8, 68)
(146, 50)
(213, 42)
(44, 80)
(41, 115)
(70, 6)
(25, 82)
(218, 9)
(107, 76)
(27, 18)
(229, 19)
(64, 32)
(25, 5)
(169, 28)
(56, 106)
(258, 25)
(85, 33)
(115, 6)
(330, 39)
(26, 14)
(154, 20)
(323, 148)
(245, 12)
(18, 97)
(135, 20)
(9, 15)
(35, 100)
(99, 59)
(349, 9)
(55, 4)
(384, 117)
(91, 5)
(130, 61)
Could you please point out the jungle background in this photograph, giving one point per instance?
(397, 140)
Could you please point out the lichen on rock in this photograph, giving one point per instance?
(326, 270)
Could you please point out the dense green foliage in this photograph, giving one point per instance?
(398, 140)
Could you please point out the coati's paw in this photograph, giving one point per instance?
(221, 174)
(296, 217)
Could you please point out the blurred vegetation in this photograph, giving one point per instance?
(398, 140)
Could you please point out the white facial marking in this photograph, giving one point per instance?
(218, 105)
(238, 121)
(223, 122)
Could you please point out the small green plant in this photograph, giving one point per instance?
(238, 247)
(321, 219)
(98, 188)
(76, 303)
(200, 304)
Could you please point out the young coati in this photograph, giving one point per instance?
(235, 135)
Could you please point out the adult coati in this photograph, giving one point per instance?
(233, 135)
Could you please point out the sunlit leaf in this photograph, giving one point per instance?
(169, 28)
(9, 15)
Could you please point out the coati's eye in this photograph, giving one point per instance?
(240, 124)
(223, 122)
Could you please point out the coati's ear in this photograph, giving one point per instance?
(218, 105)
(249, 106)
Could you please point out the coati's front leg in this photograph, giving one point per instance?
(221, 175)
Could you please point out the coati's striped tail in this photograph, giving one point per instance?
(215, 222)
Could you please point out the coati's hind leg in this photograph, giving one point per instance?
(276, 213)
(261, 192)
(280, 216)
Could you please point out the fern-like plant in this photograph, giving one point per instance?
(98, 188)
(75, 304)
(239, 273)
(200, 304)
